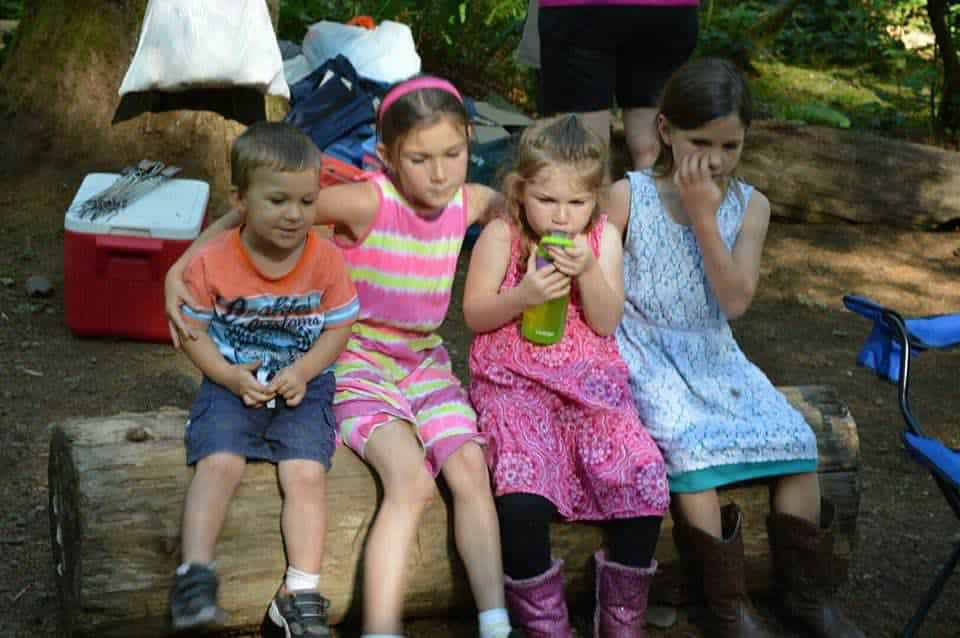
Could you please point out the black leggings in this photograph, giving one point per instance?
(525, 536)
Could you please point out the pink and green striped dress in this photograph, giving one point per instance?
(395, 365)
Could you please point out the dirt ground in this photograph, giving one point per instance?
(796, 330)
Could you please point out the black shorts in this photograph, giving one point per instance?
(588, 54)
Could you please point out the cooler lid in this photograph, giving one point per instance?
(173, 210)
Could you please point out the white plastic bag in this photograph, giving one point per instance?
(383, 54)
(214, 43)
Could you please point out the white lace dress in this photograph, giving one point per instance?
(715, 415)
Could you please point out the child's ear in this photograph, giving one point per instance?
(663, 127)
(514, 187)
(384, 154)
(237, 202)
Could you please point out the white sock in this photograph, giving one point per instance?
(299, 581)
(381, 636)
(183, 568)
(494, 623)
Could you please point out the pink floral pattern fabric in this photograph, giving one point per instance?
(560, 419)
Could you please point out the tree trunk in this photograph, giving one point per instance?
(947, 116)
(61, 79)
(813, 173)
(116, 489)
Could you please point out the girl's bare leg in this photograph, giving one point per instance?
(476, 529)
(797, 495)
(700, 510)
(395, 453)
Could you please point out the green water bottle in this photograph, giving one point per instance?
(544, 324)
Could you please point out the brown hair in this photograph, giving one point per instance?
(697, 93)
(564, 140)
(277, 146)
(418, 108)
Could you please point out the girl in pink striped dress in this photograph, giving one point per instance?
(564, 435)
(398, 403)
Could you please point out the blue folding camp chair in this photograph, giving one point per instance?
(889, 348)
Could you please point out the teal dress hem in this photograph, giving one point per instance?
(713, 477)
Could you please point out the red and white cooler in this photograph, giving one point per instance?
(114, 266)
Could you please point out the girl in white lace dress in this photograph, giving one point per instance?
(694, 236)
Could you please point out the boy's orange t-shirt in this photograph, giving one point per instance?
(251, 317)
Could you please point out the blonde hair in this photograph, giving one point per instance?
(559, 141)
(276, 146)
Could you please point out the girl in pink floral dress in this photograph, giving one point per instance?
(564, 435)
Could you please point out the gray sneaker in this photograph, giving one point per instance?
(302, 614)
(193, 600)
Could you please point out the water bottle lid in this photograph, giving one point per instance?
(556, 238)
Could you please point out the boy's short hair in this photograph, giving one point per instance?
(277, 146)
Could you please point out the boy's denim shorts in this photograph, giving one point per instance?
(220, 422)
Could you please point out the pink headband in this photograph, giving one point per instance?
(425, 82)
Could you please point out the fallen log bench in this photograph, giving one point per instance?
(116, 488)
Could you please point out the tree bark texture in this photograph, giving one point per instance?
(947, 115)
(116, 488)
(62, 75)
(816, 174)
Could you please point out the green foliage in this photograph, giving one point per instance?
(815, 113)
(833, 59)
(870, 103)
(838, 54)
(839, 32)
(11, 9)
(822, 33)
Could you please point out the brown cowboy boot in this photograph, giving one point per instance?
(802, 555)
(719, 561)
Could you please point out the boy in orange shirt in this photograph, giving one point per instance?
(275, 307)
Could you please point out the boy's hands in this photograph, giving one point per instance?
(176, 294)
(697, 188)
(289, 384)
(242, 381)
(573, 260)
(542, 285)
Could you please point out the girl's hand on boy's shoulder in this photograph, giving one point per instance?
(290, 385)
(573, 260)
(242, 381)
(698, 190)
(176, 294)
(542, 285)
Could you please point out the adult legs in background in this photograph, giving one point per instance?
(591, 54)
(643, 143)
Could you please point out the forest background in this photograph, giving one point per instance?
(887, 66)
(874, 67)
